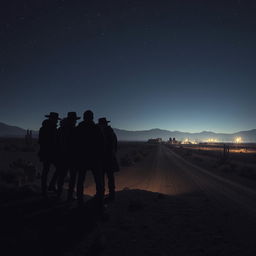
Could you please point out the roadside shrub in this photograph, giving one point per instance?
(143, 153)
(137, 157)
(28, 149)
(126, 161)
(187, 153)
(11, 176)
(11, 192)
(134, 152)
(7, 191)
(11, 148)
(226, 168)
(4, 187)
(197, 159)
(135, 205)
(25, 171)
(247, 172)
(233, 166)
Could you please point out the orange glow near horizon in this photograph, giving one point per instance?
(238, 140)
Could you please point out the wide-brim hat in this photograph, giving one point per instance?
(73, 116)
(53, 115)
(103, 120)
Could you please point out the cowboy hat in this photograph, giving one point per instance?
(103, 120)
(72, 115)
(53, 115)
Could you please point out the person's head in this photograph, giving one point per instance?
(63, 122)
(45, 122)
(72, 117)
(103, 121)
(88, 115)
(53, 117)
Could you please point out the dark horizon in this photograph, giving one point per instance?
(155, 128)
(143, 135)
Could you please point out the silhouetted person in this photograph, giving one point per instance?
(28, 138)
(110, 164)
(48, 149)
(66, 162)
(89, 151)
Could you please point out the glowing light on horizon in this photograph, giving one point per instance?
(187, 141)
(211, 140)
(238, 140)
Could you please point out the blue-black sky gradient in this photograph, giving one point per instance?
(176, 65)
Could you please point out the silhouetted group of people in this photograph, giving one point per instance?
(75, 149)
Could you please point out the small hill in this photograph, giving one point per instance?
(11, 131)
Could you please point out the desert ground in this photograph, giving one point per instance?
(170, 201)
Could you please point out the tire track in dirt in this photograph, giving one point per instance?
(223, 190)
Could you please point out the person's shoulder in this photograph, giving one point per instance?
(81, 124)
(45, 123)
(110, 130)
(46, 127)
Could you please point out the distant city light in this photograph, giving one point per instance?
(238, 140)
(187, 141)
(212, 140)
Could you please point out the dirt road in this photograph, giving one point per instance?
(198, 199)
(165, 172)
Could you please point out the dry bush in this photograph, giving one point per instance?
(247, 172)
(4, 186)
(19, 172)
(137, 157)
(197, 159)
(133, 152)
(29, 170)
(10, 176)
(187, 153)
(7, 191)
(135, 205)
(225, 165)
(28, 149)
(226, 168)
(143, 153)
(11, 148)
(10, 191)
(126, 161)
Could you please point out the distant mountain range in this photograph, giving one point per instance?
(13, 131)
(124, 135)
(247, 136)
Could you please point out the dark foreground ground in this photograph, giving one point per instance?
(165, 205)
(138, 223)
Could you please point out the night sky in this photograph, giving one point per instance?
(176, 65)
